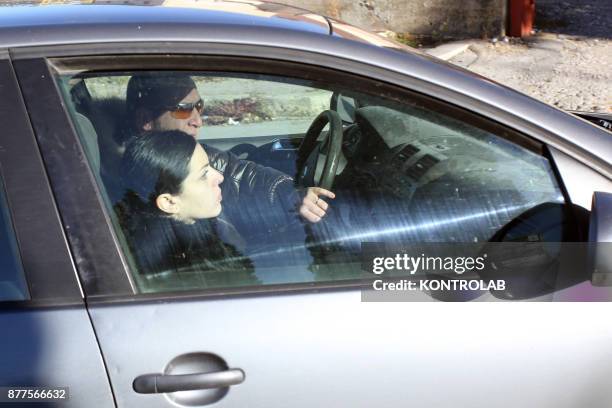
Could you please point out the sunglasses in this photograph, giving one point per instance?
(183, 110)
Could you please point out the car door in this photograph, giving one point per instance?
(304, 334)
(49, 349)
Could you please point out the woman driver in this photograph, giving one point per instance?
(170, 207)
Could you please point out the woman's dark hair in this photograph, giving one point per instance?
(156, 163)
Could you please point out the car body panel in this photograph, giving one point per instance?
(209, 13)
(299, 345)
(331, 349)
(54, 347)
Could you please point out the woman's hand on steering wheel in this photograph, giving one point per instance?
(313, 207)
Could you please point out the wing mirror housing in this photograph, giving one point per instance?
(535, 254)
(600, 239)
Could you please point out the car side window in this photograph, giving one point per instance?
(12, 280)
(230, 213)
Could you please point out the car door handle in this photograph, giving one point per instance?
(160, 383)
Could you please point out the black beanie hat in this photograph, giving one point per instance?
(157, 92)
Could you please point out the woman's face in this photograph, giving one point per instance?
(200, 195)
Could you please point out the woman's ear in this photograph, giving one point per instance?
(168, 203)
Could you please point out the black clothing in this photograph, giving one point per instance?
(256, 199)
(160, 245)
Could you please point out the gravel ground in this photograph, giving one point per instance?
(567, 63)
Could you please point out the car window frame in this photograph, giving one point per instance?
(42, 248)
(70, 62)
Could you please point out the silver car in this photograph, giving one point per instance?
(416, 152)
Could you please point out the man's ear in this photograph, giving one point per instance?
(143, 120)
(168, 203)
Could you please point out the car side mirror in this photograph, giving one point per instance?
(538, 252)
(600, 239)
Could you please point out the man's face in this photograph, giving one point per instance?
(168, 121)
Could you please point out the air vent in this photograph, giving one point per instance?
(421, 167)
(403, 156)
(408, 152)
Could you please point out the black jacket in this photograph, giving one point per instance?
(256, 199)
(206, 253)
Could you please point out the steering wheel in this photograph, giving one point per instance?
(307, 161)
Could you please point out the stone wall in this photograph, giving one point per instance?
(435, 19)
